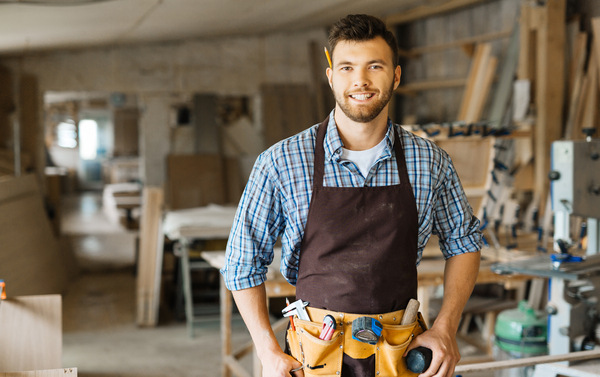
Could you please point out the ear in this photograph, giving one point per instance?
(397, 74)
(329, 73)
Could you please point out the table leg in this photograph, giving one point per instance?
(226, 308)
(183, 248)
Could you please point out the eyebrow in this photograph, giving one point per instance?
(378, 61)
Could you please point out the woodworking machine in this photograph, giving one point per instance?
(573, 269)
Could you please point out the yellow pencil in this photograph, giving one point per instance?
(328, 57)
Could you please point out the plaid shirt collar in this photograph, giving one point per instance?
(333, 143)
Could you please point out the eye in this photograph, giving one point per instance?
(345, 68)
(375, 66)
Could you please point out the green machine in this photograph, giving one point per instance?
(522, 332)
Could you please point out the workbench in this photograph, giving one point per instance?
(430, 275)
(185, 226)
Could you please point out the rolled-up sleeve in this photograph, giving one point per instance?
(257, 224)
(454, 221)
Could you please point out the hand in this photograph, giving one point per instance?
(445, 354)
(279, 364)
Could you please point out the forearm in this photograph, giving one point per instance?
(460, 274)
(252, 304)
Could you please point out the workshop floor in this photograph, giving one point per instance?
(100, 337)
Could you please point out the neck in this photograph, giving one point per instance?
(358, 136)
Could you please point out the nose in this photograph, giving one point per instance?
(361, 79)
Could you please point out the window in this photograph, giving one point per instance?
(66, 134)
(88, 139)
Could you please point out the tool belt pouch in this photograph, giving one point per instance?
(394, 340)
(324, 357)
(319, 357)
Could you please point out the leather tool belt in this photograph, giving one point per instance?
(324, 357)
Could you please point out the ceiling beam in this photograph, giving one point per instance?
(423, 11)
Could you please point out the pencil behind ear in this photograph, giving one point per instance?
(328, 57)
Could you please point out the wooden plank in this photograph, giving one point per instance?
(30, 125)
(526, 65)
(31, 260)
(126, 135)
(150, 257)
(477, 74)
(550, 47)
(418, 86)
(6, 106)
(66, 372)
(527, 361)
(424, 11)
(578, 61)
(195, 180)
(502, 94)
(590, 112)
(287, 109)
(482, 91)
(459, 43)
(31, 328)
(208, 139)
(596, 44)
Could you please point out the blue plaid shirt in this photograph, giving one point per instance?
(276, 200)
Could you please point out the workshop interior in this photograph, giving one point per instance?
(129, 129)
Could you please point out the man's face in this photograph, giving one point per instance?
(363, 78)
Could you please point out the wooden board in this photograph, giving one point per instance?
(31, 261)
(473, 161)
(195, 180)
(287, 109)
(577, 69)
(31, 328)
(550, 50)
(504, 87)
(596, 44)
(29, 122)
(126, 136)
(478, 74)
(150, 257)
(423, 11)
(67, 372)
(6, 106)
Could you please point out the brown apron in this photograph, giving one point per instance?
(359, 250)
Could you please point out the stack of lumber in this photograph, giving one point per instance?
(31, 260)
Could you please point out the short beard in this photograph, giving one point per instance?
(365, 115)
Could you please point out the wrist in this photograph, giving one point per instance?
(447, 325)
(267, 349)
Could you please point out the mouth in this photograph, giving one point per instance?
(362, 96)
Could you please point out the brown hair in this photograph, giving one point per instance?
(362, 27)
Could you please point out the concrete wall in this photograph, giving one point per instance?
(164, 74)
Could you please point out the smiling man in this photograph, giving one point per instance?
(354, 200)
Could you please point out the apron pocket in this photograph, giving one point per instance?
(320, 357)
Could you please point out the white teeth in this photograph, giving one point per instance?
(361, 97)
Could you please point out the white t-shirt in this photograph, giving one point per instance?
(364, 159)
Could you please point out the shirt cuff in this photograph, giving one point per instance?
(467, 244)
(239, 277)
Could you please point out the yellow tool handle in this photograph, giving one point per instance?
(410, 313)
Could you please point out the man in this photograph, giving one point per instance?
(354, 200)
